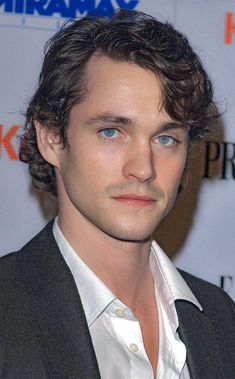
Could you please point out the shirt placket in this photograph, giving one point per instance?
(128, 333)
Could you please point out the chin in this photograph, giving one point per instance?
(133, 238)
(130, 235)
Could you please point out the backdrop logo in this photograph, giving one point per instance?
(226, 282)
(7, 142)
(229, 28)
(219, 160)
(50, 13)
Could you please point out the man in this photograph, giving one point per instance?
(118, 106)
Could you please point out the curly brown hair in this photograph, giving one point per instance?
(129, 36)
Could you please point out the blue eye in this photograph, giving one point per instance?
(109, 132)
(166, 140)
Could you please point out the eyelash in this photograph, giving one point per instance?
(112, 138)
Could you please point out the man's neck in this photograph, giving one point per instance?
(122, 265)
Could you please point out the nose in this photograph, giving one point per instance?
(139, 163)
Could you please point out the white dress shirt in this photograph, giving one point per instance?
(116, 333)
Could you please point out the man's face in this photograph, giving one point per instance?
(123, 166)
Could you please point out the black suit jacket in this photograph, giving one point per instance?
(43, 329)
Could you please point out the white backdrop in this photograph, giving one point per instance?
(199, 233)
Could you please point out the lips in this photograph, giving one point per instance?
(135, 200)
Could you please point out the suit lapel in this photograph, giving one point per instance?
(196, 331)
(56, 311)
(62, 334)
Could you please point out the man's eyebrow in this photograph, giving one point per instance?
(171, 125)
(108, 118)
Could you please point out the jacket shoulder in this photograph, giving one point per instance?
(10, 262)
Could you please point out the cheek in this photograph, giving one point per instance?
(104, 164)
(88, 171)
(170, 173)
(177, 170)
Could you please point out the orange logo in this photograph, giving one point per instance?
(6, 141)
(229, 28)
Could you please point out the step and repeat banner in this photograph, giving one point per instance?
(199, 234)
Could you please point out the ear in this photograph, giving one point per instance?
(48, 144)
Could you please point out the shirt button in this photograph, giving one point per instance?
(133, 347)
(120, 312)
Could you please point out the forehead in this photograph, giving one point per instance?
(121, 87)
(106, 72)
